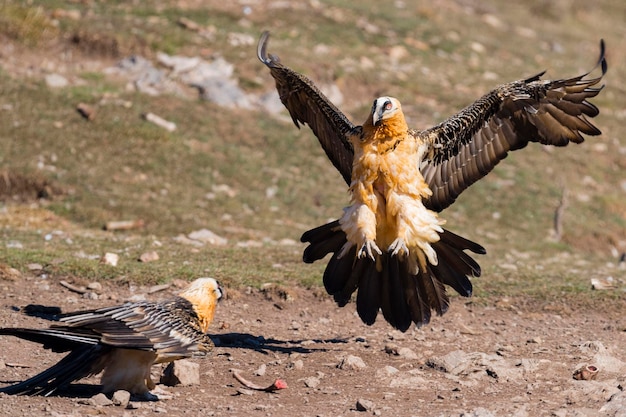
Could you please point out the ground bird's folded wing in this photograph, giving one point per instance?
(307, 104)
(170, 328)
(468, 145)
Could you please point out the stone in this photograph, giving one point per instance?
(351, 362)
(364, 405)
(207, 236)
(121, 398)
(56, 81)
(149, 257)
(454, 362)
(181, 372)
(261, 370)
(110, 259)
(100, 400)
(311, 381)
(616, 406)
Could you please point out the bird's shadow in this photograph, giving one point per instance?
(263, 345)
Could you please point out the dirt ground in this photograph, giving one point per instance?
(473, 361)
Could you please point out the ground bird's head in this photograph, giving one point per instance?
(385, 108)
(204, 294)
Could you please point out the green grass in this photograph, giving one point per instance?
(119, 167)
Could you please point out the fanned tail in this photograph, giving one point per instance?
(79, 363)
(403, 297)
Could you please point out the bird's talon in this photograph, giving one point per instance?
(368, 249)
(397, 247)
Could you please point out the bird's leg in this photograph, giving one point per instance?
(359, 223)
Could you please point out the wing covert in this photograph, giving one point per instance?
(470, 144)
(307, 104)
(169, 328)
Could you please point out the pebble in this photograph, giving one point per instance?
(364, 405)
(121, 398)
(207, 236)
(56, 81)
(149, 257)
(181, 372)
(100, 400)
(311, 381)
(297, 365)
(351, 362)
(110, 259)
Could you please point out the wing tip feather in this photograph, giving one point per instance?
(261, 50)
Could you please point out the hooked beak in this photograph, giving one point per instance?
(377, 116)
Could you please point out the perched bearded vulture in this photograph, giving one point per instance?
(389, 244)
(124, 341)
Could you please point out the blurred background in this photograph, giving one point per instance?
(134, 127)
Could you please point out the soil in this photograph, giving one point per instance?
(475, 360)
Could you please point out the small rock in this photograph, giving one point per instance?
(479, 412)
(454, 362)
(181, 372)
(100, 400)
(406, 353)
(149, 257)
(351, 362)
(261, 370)
(311, 381)
(121, 398)
(207, 236)
(616, 406)
(607, 283)
(87, 111)
(110, 259)
(295, 325)
(364, 405)
(95, 286)
(386, 371)
(56, 81)
(297, 365)
(90, 295)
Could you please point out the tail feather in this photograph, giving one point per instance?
(452, 239)
(401, 296)
(343, 296)
(338, 272)
(418, 308)
(449, 275)
(394, 305)
(325, 239)
(78, 364)
(368, 296)
(58, 339)
(435, 291)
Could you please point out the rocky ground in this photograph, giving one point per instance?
(475, 361)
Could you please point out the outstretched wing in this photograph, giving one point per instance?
(307, 104)
(470, 144)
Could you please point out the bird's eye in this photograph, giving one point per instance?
(388, 105)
